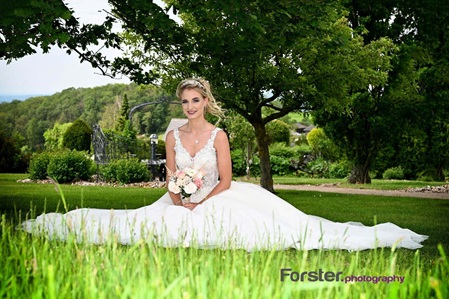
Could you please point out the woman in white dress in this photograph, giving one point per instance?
(221, 213)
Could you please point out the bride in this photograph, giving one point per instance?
(221, 213)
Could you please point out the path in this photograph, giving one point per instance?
(362, 191)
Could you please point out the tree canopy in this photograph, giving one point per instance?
(366, 70)
(264, 59)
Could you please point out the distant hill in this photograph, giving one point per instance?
(11, 97)
(32, 115)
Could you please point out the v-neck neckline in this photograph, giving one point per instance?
(196, 154)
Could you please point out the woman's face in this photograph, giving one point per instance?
(193, 103)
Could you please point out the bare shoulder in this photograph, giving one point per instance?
(221, 135)
(221, 140)
(170, 136)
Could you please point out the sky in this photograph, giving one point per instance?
(49, 73)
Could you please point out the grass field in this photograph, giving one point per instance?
(32, 267)
(375, 184)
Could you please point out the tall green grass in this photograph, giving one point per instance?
(33, 267)
(39, 268)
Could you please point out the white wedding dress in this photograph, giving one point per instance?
(245, 216)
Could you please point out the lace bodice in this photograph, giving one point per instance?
(206, 158)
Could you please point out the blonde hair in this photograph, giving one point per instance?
(203, 87)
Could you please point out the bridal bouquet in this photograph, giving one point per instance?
(186, 181)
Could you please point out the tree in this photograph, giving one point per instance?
(93, 110)
(78, 136)
(282, 55)
(321, 145)
(278, 131)
(414, 96)
(9, 153)
(54, 137)
(124, 115)
(241, 137)
(26, 25)
(430, 21)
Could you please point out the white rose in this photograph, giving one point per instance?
(173, 188)
(187, 180)
(180, 182)
(190, 188)
(190, 171)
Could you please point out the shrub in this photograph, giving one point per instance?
(54, 137)
(321, 145)
(281, 150)
(38, 166)
(319, 168)
(78, 136)
(125, 171)
(69, 165)
(278, 131)
(238, 162)
(280, 165)
(394, 173)
(281, 157)
(339, 170)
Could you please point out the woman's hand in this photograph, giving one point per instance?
(190, 205)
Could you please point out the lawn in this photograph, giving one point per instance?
(38, 268)
(375, 184)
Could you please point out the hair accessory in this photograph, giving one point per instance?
(193, 82)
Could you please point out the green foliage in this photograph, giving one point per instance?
(280, 165)
(394, 173)
(31, 118)
(160, 149)
(242, 141)
(321, 145)
(239, 164)
(69, 165)
(78, 136)
(278, 131)
(125, 171)
(282, 158)
(339, 170)
(54, 137)
(25, 25)
(214, 41)
(39, 165)
(286, 159)
(124, 115)
(319, 168)
(12, 158)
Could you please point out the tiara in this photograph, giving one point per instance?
(192, 82)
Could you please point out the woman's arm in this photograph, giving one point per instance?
(171, 165)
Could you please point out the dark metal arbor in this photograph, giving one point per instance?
(100, 146)
(162, 100)
(111, 146)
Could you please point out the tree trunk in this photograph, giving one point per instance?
(266, 180)
(359, 175)
(440, 177)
